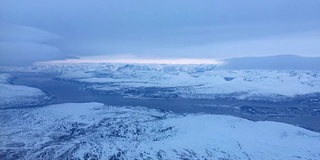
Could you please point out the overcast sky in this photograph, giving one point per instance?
(158, 29)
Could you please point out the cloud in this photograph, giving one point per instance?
(22, 45)
(303, 43)
(11, 32)
(134, 60)
(165, 29)
(26, 53)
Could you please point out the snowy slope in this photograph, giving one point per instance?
(92, 130)
(190, 81)
(5, 78)
(14, 95)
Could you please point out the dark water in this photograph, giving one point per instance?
(65, 92)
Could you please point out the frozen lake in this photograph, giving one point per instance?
(294, 113)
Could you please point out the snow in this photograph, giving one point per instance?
(79, 130)
(12, 95)
(192, 81)
(187, 81)
(5, 78)
(77, 74)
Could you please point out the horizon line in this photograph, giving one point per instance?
(135, 61)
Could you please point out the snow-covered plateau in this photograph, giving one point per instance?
(17, 95)
(189, 81)
(96, 131)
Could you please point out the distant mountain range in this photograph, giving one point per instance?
(280, 62)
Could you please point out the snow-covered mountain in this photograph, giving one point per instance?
(189, 81)
(96, 131)
(16, 95)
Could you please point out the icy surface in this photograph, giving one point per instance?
(92, 130)
(190, 81)
(13, 95)
(5, 78)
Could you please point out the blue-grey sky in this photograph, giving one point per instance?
(159, 29)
